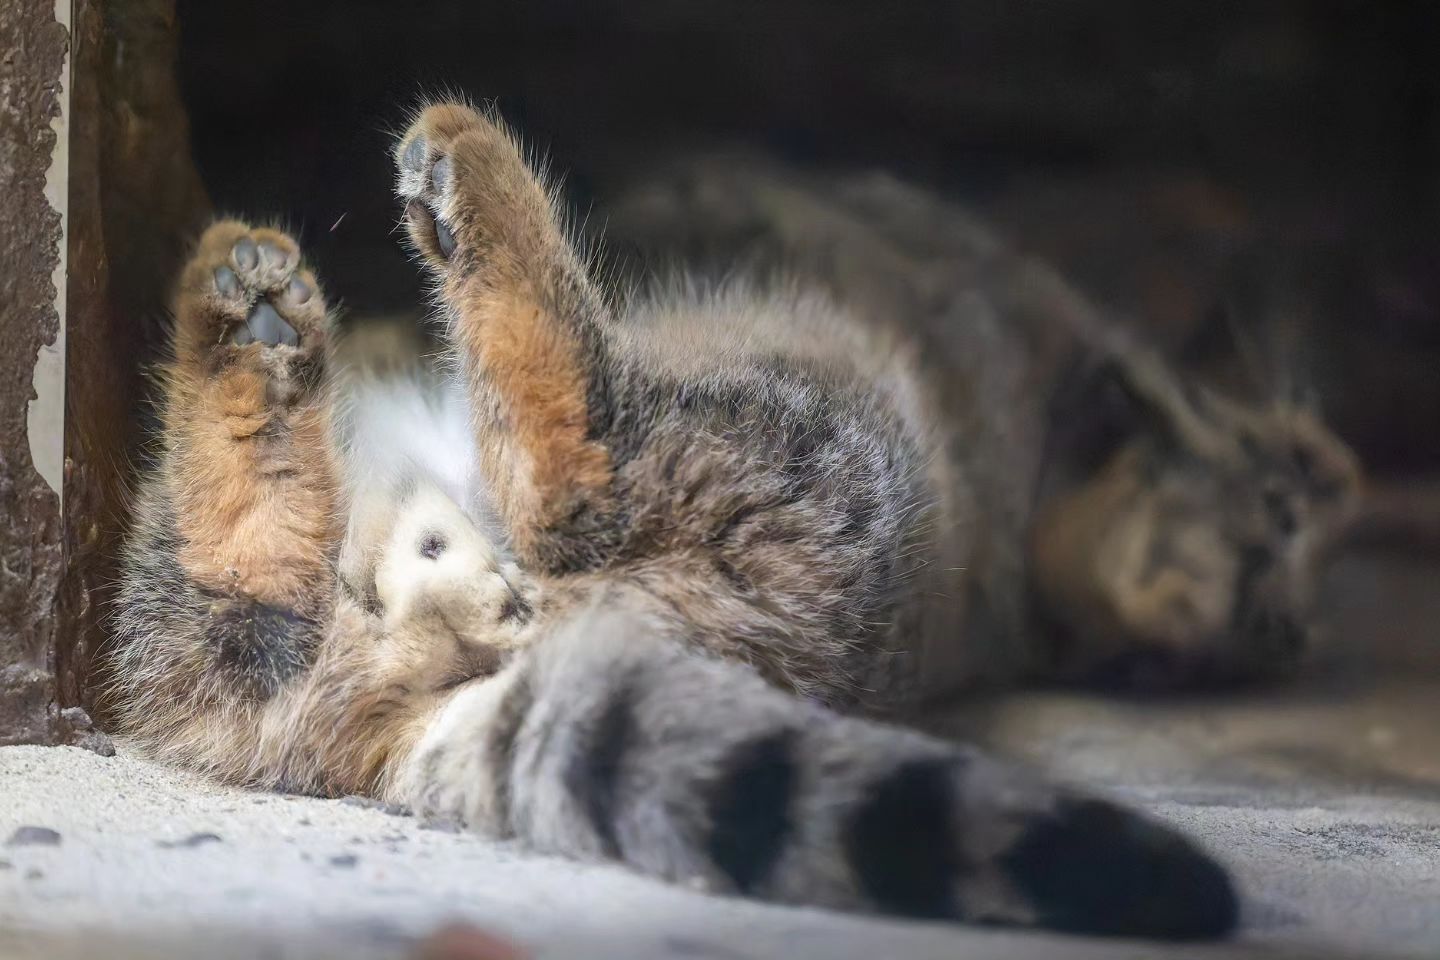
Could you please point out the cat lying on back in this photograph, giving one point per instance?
(606, 586)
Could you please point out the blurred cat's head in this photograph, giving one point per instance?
(1180, 535)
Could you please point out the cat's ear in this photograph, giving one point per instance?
(1177, 411)
(1125, 394)
(1095, 412)
(1253, 344)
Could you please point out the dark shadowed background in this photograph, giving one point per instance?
(1197, 166)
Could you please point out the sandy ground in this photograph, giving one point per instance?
(1325, 803)
(1323, 798)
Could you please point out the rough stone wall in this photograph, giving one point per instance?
(135, 201)
(32, 55)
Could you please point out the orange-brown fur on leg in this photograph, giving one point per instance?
(250, 466)
(523, 317)
(239, 653)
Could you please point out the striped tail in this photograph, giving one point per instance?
(610, 740)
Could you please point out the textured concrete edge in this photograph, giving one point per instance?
(31, 555)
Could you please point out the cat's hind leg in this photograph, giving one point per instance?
(249, 646)
(227, 583)
(526, 322)
(247, 421)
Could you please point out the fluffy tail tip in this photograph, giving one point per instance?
(1095, 868)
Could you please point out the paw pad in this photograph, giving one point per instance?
(246, 285)
(440, 174)
(427, 173)
(226, 282)
(299, 291)
(264, 325)
(273, 257)
(414, 156)
(246, 254)
(444, 238)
